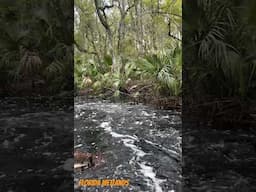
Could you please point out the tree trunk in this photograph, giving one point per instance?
(103, 19)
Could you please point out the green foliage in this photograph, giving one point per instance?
(128, 44)
(35, 42)
(220, 56)
(165, 70)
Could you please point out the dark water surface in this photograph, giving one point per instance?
(36, 140)
(218, 159)
(137, 143)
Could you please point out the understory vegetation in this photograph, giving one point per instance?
(221, 47)
(36, 47)
(128, 47)
(161, 72)
(219, 57)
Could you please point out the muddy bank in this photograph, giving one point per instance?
(135, 96)
(225, 112)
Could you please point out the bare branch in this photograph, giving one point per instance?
(102, 16)
(83, 50)
(126, 11)
(161, 13)
(106, 7)
(169, 32)
(166, 13)
(174, 37)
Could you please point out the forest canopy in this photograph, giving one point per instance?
(128, 44)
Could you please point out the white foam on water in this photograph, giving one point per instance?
(78, 146)
(106, 126)
(147, 171)
(138, 122)
(162, 147)
(144, 113)
(130, 143)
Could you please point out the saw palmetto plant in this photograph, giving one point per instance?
(35, 42)
(219, 49)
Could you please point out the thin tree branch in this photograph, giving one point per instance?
(102, 17)
(161, 13)
(174, 37)
(126, 11)
(106, 7)
(83, 50)
(166, 13)
(169, 32)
